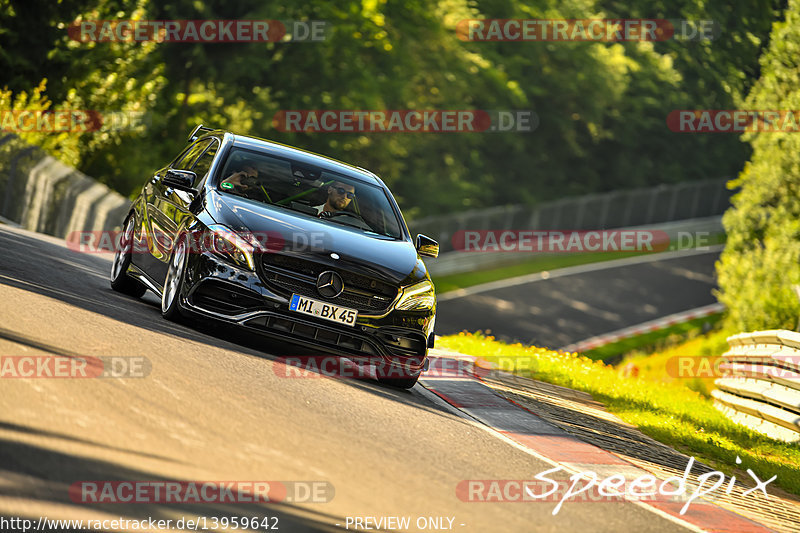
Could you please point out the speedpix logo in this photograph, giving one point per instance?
(587, 486)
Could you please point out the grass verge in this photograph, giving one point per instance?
(654, 340)
(667, 411)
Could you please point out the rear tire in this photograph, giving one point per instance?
(120, 280)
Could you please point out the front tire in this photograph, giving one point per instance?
(120, 280)
(396, 377)
(173, 284)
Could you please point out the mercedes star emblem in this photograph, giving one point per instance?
(330, 284)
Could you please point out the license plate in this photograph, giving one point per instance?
(334, 313)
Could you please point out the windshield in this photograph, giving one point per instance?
(333, 198)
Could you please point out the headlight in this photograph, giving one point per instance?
(230, 246)
(417, 297)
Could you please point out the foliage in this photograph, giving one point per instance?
(761, 262)
(601, 106)
(64, 143)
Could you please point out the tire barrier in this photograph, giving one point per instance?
(760, 385)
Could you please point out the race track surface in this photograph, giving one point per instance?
(217, 406)
(560, 310)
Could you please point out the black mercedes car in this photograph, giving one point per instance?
(287, 243)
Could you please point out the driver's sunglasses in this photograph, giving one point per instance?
(342, 190)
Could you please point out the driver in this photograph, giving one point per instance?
(339, 197)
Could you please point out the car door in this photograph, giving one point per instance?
(176, 203)
(160, 217)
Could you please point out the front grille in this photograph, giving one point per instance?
(300, 330)
(402, 343)
(290, 275)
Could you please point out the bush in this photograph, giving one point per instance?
(759, 266)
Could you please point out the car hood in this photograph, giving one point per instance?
(302, 236)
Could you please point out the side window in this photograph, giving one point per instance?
(204, 163)
(180, 156)
(190, 156)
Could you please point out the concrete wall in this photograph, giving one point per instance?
(39, 193)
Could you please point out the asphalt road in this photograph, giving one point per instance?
(215, 407)
(560, 310)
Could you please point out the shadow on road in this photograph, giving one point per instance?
(36, 473)
(39, 265)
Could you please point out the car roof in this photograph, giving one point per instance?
(303, 156)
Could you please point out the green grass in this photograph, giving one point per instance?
(656, 365)
(536, 264)
(669, 412)
(653, 340)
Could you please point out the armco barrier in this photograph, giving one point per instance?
(760, 387)
(617, 209)
(456, 262)
(42, 194)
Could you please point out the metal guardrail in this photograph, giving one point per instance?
(616, 209)
(760, 387)
(455, 262)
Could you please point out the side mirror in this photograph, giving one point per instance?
(427, 246)
(183, 180)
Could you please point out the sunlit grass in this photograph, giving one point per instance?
(654, 340)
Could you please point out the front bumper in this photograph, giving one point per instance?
(219, 290)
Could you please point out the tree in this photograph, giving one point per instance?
(759, 265)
